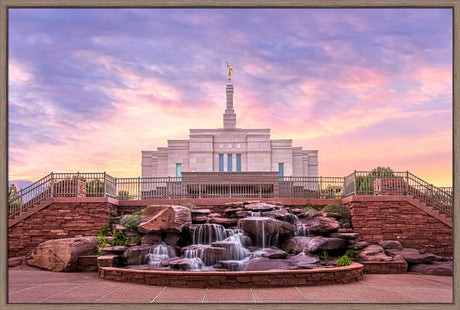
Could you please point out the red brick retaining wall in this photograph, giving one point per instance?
(393, 267)
(400, 218)
(237, 279)
(63, 218)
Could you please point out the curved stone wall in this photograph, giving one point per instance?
(236, 279)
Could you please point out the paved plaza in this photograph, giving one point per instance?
(36, 286)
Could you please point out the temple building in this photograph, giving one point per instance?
(230, 149)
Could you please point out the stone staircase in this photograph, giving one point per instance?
(30, 211)
(442, 217)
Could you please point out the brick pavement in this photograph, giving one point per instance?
(36, 286)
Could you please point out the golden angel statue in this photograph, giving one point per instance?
(229, 71)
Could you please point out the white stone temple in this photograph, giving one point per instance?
(230, 149)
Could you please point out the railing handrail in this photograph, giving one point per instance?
(234, 185)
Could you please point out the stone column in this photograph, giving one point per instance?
(229, 115)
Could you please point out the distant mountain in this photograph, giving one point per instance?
(20, 184)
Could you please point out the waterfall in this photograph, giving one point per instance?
(159, 253)
(301, 230)
(206, 234)
(236, 250)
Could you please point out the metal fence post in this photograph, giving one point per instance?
(138, 186)
(230, 188)
(52, 185)
(105, 185)
(354, 185)
(78, 184)
(115, 187)
(432, 195)
(407, 183)
(320, 187)
(168, 188)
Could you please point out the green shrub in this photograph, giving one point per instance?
(343, 261)
(352, 253)
(324, 256)
(123, 195)
(101, 244)
(309, 205)
(382, 171)
(310, 212)
(332, 191)
(120, 238)
(105, 230)
(130, 221)
(95, 188)
(338, 208)
(137, 239)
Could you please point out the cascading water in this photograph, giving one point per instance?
(236, 251)
(301, 230)
(206, 234)
(193, 256)
(160, 253)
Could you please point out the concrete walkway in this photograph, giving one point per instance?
(35, 286)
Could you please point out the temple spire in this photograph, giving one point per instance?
(229, 115)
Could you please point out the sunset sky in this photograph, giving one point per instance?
(89, 89)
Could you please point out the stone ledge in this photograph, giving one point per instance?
(237, 279)
(87, 263)
(392, 267)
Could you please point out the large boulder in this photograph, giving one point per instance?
(151, 239)
(313, 244)
(374, 253)
(260, 206)
(164, 218)
(208, 254)
(435, 268)
(413, 256)
(61, 254)
(225, 221)
(186, 263)
(321, 225)
(391, 244)
(274, 253)
(300, 261)
(137, 255)
(358, 245)
(266, 231)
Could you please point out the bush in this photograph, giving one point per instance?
(137, 239)
(310, 212)
(123, 195)
(309, 205)
(120, 238)
(343, 261)
(324, 256)
(365, 185)
(101, 244)
(382, 171)
(352, 253)
(95, 188)
(130, 221)
(338, 208)
(333, 191)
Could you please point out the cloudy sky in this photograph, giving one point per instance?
(89, 89)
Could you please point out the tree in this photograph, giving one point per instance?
(12, 191)
(13, 197)
(382, 171)
(95, 188)
(365, 185)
